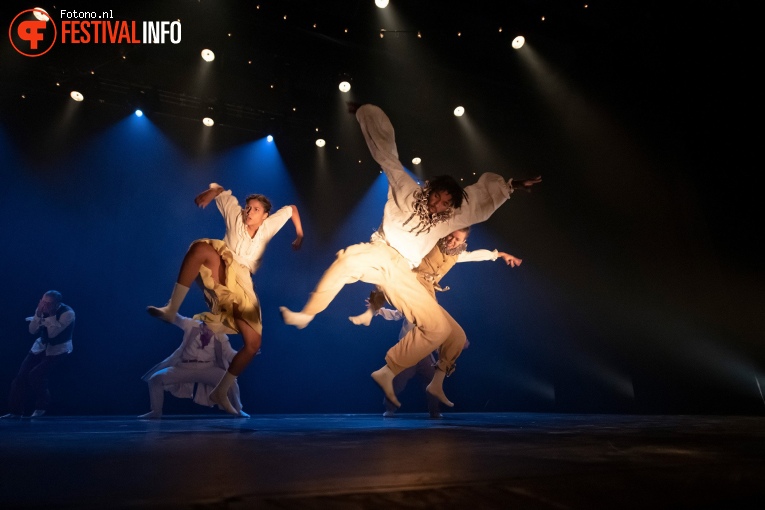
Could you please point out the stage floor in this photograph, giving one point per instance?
(471, 461)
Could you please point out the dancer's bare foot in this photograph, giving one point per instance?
(384, 377)
(151, 415)
(438, 391)
(362, 319)
(297, 319)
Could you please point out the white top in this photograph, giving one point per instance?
(389, 314)
(248, 251)
(483, 198)
(54, 326)
(477, 256)
(218, 351)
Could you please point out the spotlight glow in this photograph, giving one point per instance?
(270, 138)
(207, 121)
(320, 142)
(138, 113)
(344, 86)
(41, 14)
(208, 55)
(459, 111)
(518, 42)
(77, 96)
(382, 4)
(416, 161)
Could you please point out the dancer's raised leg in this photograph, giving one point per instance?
(351, 265)
(198, 254)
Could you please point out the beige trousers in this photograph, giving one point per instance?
(379, 264)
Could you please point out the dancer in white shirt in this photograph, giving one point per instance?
(449, 250)
(223, 270)
(414, 219)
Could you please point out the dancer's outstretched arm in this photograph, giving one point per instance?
(510, 260)
(298, 242)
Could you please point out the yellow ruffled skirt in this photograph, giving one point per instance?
(238, 291)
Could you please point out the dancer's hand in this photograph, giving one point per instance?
(297, 243)
(526, 184)
(510, 260)
(207, 196)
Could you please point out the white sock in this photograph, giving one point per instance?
(176, 298)
(297, 319)
(168, 311)
(219, 394)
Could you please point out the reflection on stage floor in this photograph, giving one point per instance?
(363, 461)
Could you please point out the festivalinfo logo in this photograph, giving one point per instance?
(33, 32)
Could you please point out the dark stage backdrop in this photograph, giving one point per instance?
(641, 288)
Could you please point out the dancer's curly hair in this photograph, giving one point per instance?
(442, 183)
(448, 184)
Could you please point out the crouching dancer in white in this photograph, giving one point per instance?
(200, 361)
(223, 270)
(414, 219)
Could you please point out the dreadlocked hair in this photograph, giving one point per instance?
(448, 184)
(427, 220)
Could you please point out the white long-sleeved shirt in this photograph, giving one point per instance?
(483, 198)
(478, 255)
(248, 251)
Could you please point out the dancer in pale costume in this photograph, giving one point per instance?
(224, 269)
(449, 251)
(414, 219)
(194, 368)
